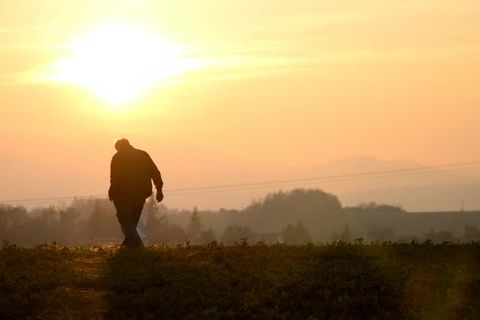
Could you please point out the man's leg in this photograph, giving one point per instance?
(137, 210)
(125, 215)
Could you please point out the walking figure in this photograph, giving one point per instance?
(131, 174)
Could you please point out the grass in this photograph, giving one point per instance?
(334, 281)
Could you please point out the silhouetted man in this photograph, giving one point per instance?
(131, 175)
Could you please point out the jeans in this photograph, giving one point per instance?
(128, 214)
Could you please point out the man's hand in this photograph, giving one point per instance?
(159, 195)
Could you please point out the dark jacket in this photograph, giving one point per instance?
(131, 175)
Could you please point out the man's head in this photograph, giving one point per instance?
(122, 144)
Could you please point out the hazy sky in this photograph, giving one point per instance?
(272, 85)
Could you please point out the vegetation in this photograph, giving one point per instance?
(295, 217)
(336, 281)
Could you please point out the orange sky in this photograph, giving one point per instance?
(282, 84)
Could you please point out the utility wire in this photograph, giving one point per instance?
(374, 174)
(308, 180)
(327, 182)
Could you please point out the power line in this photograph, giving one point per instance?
(251, 185)
(309, 182)
(45, 199)
(261, 184)
(381, 173)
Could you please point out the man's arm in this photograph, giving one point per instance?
(114, 179)
(157, 178)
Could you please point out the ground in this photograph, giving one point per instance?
(334, 281)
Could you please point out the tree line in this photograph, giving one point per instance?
(294, 217)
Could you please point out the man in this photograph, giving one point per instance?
(131, 175)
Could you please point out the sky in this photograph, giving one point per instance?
(230, 92)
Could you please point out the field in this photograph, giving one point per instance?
(334, 281)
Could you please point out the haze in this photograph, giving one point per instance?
(278, 90)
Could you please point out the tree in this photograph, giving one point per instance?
(157, 229)
(234, 233)
(439, 236)
(11, 218)
(296, 235)
(67, 229)
(321, 211)
(195, 227)
(381, 234)
(207, 236)
(346, 235)
(471, 233)
(102, 224)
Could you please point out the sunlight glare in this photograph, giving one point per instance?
(119, 62)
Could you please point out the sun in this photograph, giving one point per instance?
(119, 61)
